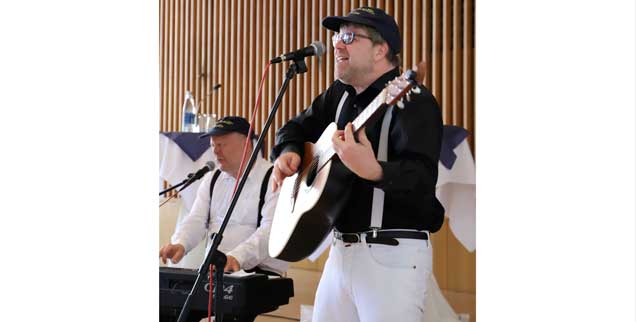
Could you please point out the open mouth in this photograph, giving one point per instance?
(341, 59)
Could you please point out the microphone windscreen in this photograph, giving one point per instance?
(318, 47)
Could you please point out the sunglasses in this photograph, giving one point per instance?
(346, 37)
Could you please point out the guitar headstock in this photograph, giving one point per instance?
(404, 85)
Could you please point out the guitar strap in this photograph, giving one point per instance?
(377, 206)
(343, 99)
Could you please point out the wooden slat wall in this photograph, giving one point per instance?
(207, 42)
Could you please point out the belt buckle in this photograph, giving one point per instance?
(344, 236)
(357, 237)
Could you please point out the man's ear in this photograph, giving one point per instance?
(381, 51)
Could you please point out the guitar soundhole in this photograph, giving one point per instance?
(311, 173)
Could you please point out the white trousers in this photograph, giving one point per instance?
(373, 282)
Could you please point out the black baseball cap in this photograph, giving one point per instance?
(227, 125)
(375, 18)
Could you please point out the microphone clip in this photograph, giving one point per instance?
(301, 66)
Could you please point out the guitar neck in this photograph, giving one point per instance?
(324, 149)
(390, 95)
(371, 109)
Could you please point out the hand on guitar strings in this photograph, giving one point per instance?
(357, 156)
(285, 165)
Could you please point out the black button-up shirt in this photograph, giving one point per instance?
(410, 172)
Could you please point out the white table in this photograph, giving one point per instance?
(456, 192)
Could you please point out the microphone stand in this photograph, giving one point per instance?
(215, 257)
(177, 185)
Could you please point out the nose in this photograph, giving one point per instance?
(339, 44)
(339, 49)
(216, 150)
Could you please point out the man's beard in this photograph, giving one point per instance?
(350, 74)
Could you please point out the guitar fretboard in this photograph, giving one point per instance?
(368, 112)
(389, 95)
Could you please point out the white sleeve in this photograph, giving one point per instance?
(192, 230)
(254, 250)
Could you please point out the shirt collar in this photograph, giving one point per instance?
(257, 162)
(381, 82)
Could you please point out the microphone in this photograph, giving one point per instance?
(209, 166)
(315, 49)
(192, 177)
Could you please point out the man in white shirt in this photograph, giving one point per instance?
(245, 240)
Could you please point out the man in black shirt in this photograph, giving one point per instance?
(381, 258)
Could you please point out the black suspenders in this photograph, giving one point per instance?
(261, 200)
(212, 183)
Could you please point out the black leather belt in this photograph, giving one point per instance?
(386, 237)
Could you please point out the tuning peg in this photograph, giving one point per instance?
(416, 90)
(408, 97)
(410, 75)
(400, 104)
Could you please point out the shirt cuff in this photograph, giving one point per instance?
(390, 171)
(239, 258)
(293, 148)
(181, 241)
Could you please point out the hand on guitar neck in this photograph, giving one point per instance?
(358, 156)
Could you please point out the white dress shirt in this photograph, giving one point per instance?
(241, 239)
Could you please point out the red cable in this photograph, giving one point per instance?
(251, 129)
(240, 172)
(210, 297)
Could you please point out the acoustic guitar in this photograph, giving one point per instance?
(311, 200)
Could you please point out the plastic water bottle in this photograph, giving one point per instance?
(189, 123)
(206, 122)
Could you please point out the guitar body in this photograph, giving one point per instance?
(309, 204)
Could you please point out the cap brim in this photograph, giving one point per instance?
(334, 22)
(215, 131)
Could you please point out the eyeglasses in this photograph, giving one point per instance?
(346, 37)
